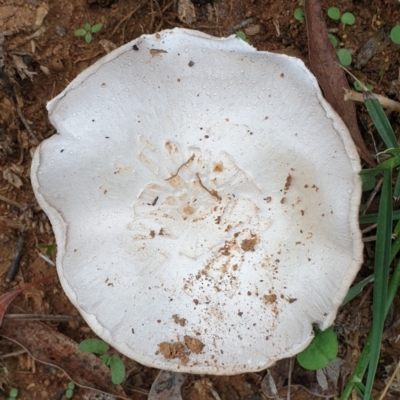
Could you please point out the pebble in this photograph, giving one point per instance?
(60, 30)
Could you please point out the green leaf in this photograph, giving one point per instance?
(69, 393)
(321, 351)
(96, 27)
(88, 37)
(380, 120)
(334, 13)
(117, 369)
(395, 34)
(80, 32)
(368, 178)
(241, 35)
(87, 27)
(71, 385)
(105, 359)
(13, 392)
(381, 277)
(334, 40)
(344, 57)
(348, 18)
(95, 346)
(357, 289)
(299, 14)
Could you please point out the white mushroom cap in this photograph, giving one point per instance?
(204, 198)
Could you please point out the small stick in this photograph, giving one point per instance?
(12, 202)
(47, 259)
(15, 262)
(13, 354)
(396, 370)
(384, 101)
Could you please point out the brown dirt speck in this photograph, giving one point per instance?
(193, 344)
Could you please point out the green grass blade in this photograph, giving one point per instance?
(380, 120)
(373, 218)
(381, 276)
(357, 289)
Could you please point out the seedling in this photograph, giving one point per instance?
(13, 394)
(87, 31)
(359, 87)
(113, 361)
(395, 34)
(242, 35)
(334, 13)
(299, 14)
(70, 390)
(344, 55)
(320, 352)
(347, 18)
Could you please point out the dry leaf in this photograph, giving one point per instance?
(51, 347)
(12, 178)
(167, 386)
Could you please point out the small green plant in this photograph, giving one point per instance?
(49, 248)
(13, 394)
(241, 35)
(359, 86)
(70, 390)
(113, 361)
(347, 18)
(344, 56)
(395, 34)
(320, 352)
(87, 31)
(333, 13)
(299, 14)
(334, 40)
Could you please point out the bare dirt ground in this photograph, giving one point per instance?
(39, 56)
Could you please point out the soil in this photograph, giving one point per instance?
(40, 55)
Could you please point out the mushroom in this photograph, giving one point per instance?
(204, 198)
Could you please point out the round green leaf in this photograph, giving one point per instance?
(69, 393)
(321, 351)
(344, 57)
(348, 18)
(95, 346)
(96, 27)
(299, 14)
(71, 385)
(13, 392)
(395, 34)
(88, 37)
(80, 32)
(241, 35)
(117, 370)
(334, 13)
(334, 40)
(87, 27)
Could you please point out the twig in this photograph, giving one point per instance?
(369, 229)
(12, 202)
(242, 24)
(396, 370)
(47, 259)
(43, 317)
(384, 101)
(13, 354)
(289, 378)
(15, 262)
(372, 195)
(127, 17)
